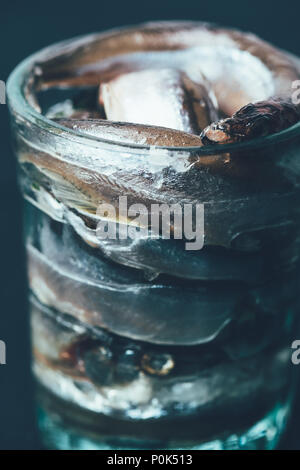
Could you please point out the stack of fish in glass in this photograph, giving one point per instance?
(160, 168)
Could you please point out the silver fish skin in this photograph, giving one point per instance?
(162, 97)
(129, 133)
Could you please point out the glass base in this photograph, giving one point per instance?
(264, 435)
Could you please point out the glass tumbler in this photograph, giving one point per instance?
(139, 343)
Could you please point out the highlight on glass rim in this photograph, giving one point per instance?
(158, 167)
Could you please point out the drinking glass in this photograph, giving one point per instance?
(140, 343)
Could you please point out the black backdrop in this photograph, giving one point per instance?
(24, 28)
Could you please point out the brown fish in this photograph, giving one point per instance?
(253, 120)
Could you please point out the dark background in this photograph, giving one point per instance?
(25, 27)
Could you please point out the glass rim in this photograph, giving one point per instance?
(18, 103)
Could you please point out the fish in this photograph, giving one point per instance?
(241, 67)
(258, 119)
(133, 133)
(164, 97)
